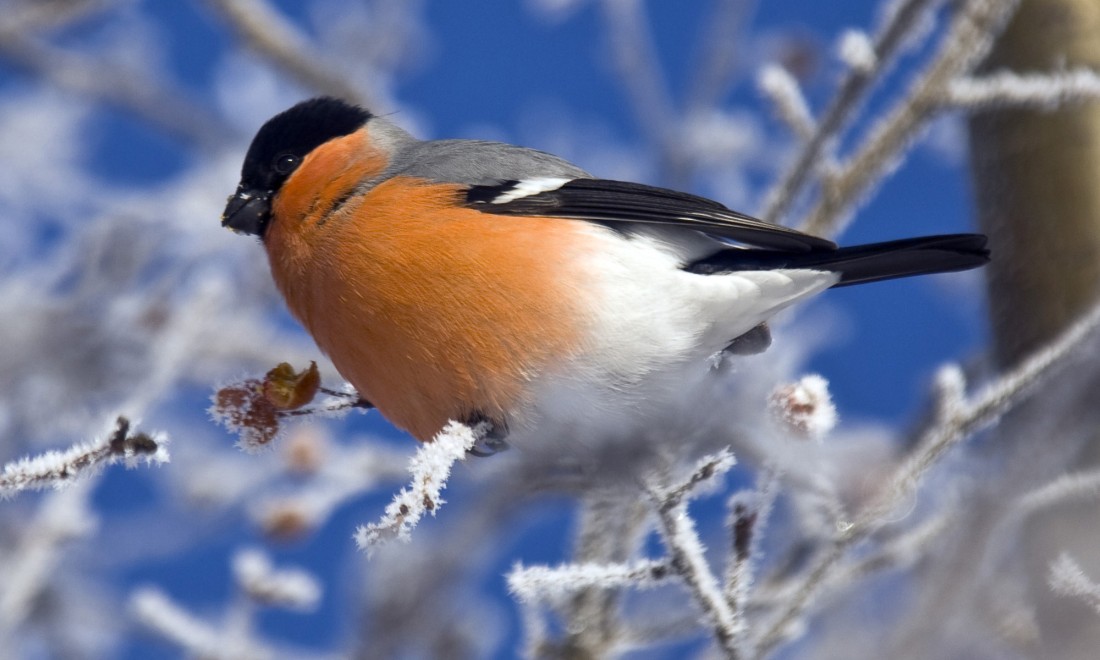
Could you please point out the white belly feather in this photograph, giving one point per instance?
(653, 327)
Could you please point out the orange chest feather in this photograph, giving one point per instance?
(432, 312)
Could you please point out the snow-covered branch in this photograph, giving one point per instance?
(259, 583)
(535, 583)
(903, 20)
(57, 468)
(430, 468)
(1041, 90)
(969, 36)
(790, 105)
(264, 30)
(958, 417)
(687, 555)
(1069, 579)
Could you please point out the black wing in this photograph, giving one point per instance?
(614, 202)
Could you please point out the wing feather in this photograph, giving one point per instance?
(621, 202)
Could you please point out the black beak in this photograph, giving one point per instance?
(248, 212)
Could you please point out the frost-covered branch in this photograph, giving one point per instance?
(430, 468)
(31, 563)
(57, 468)
(1069, 579)
(902, 22)
(290, 588)
(970, 34)
(1041, 90)
(686, 552)
(259, 583)
(154, 609)
(264, 30)
(543, 583)
(151, 99)
(790, 105)
(1067, 488)
(898, 552)
(958, 417)
(748, 516)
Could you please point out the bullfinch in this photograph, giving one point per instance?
(484, 282)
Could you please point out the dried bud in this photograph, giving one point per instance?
(287, 521)
(287, 389)
(805, 408)
(244, 409)
(304, 450)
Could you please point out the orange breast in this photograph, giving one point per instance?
(432, 312)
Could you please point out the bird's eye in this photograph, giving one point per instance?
(286, 163)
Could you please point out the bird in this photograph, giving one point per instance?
(483, 282)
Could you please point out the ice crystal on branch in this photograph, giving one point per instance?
(430, 469)
(57, 468)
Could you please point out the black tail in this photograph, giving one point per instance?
(861, 263)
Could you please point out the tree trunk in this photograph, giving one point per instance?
(1037, 180)
(1037, 175)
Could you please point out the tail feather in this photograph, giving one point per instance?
(860, 264)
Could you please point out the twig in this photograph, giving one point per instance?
(430, 468)
(290, 588)
(1041, 90)
(158, 612)
(851, 92)
(898, 552)
(968, 39)
(746, 522)
(610, 530)
(1069, 579)
(1067, 488)
(687, 553)
(718, 54)
(32, 560)
(781, 87)
(271, 35)
(130, 91)
(957, 419)
(57, 468)
(542, 583)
